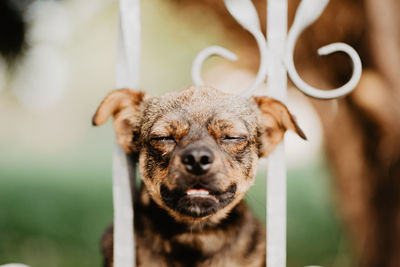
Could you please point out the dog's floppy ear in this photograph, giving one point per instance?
(274, 120)
(123, 104)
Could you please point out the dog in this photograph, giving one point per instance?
(197, 151)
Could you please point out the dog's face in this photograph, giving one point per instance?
(197, 148)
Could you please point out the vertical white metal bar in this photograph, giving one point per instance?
(276, 172)
(124, 176)
(128, 54)
(123, 186)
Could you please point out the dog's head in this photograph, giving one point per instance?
(197, 148)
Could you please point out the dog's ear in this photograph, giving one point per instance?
(123, 104)
(274, 120)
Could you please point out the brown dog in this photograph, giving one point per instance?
(197, 151)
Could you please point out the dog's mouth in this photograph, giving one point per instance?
(197, 201)
(200, 193)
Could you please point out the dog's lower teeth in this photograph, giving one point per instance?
(197, 192)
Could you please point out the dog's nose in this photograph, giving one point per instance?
(197, 161)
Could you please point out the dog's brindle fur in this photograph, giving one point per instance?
(165, 135)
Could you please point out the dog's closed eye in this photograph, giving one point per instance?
(163, 139)
(163, 143)
(233, 138)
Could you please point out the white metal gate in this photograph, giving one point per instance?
(276, 62)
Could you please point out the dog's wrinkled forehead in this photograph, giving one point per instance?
(198, 106)
(224, 116)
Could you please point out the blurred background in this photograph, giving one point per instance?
(57, 64)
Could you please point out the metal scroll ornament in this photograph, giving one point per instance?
(308, 12)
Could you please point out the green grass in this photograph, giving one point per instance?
(48, 219)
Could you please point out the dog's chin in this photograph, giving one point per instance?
(197, 202)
